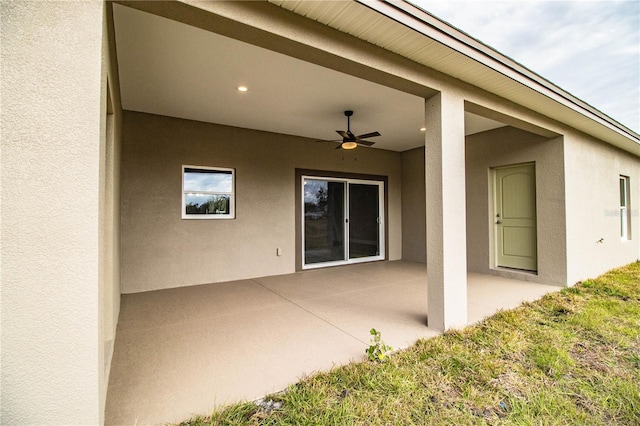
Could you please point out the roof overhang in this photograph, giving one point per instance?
(413, 33)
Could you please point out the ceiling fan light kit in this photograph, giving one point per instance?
(348, 145)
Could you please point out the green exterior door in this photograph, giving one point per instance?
(515, 217)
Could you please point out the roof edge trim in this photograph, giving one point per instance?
(421, 21)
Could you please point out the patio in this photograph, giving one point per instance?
(184, 351)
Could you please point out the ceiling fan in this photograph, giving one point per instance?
(351, 141)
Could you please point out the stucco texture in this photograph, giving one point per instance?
(109, 211)
(162, 250)
(50, 119)
(594, 244)
(503, 147)
(414, 205)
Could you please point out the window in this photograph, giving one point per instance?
(208, 193)
(625, 211)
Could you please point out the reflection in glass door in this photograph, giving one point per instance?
(364, 218)
(323, 221)
(342, 221)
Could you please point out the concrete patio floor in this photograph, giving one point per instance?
(180, 352)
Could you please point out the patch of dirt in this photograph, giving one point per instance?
(509, 383)
(586, 355)
(490, 414)
(586, 404)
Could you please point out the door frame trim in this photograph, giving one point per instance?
(299, 244)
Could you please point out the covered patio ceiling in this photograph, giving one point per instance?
(173, 69)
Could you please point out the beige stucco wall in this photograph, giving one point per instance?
(51, 132)
(414, 232)
(502, 147)
(109, 208)
(162, 250)
(109, 303)
(593, 202)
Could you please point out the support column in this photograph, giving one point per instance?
(446, 212)
(51, 114)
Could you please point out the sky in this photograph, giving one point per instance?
(208, 181)
(591, 49)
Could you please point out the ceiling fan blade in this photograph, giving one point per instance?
(339, 146)
(344, 134)
(365, 143)
(351, 135)
(368, 135)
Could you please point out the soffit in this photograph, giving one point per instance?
(410, 32)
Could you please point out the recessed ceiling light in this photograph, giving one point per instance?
(423, 129)
(243, 89)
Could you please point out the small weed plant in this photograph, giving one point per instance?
(377, 350)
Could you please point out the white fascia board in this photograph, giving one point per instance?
(428, 25)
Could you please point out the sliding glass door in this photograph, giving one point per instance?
(342, 221)
(364, 220)
(323, 221)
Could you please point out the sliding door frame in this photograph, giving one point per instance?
(347, 178)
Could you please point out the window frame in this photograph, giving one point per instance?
(210, 169)
(625, 211)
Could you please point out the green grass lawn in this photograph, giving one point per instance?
(572, 357)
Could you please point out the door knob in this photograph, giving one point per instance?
(499, 222)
